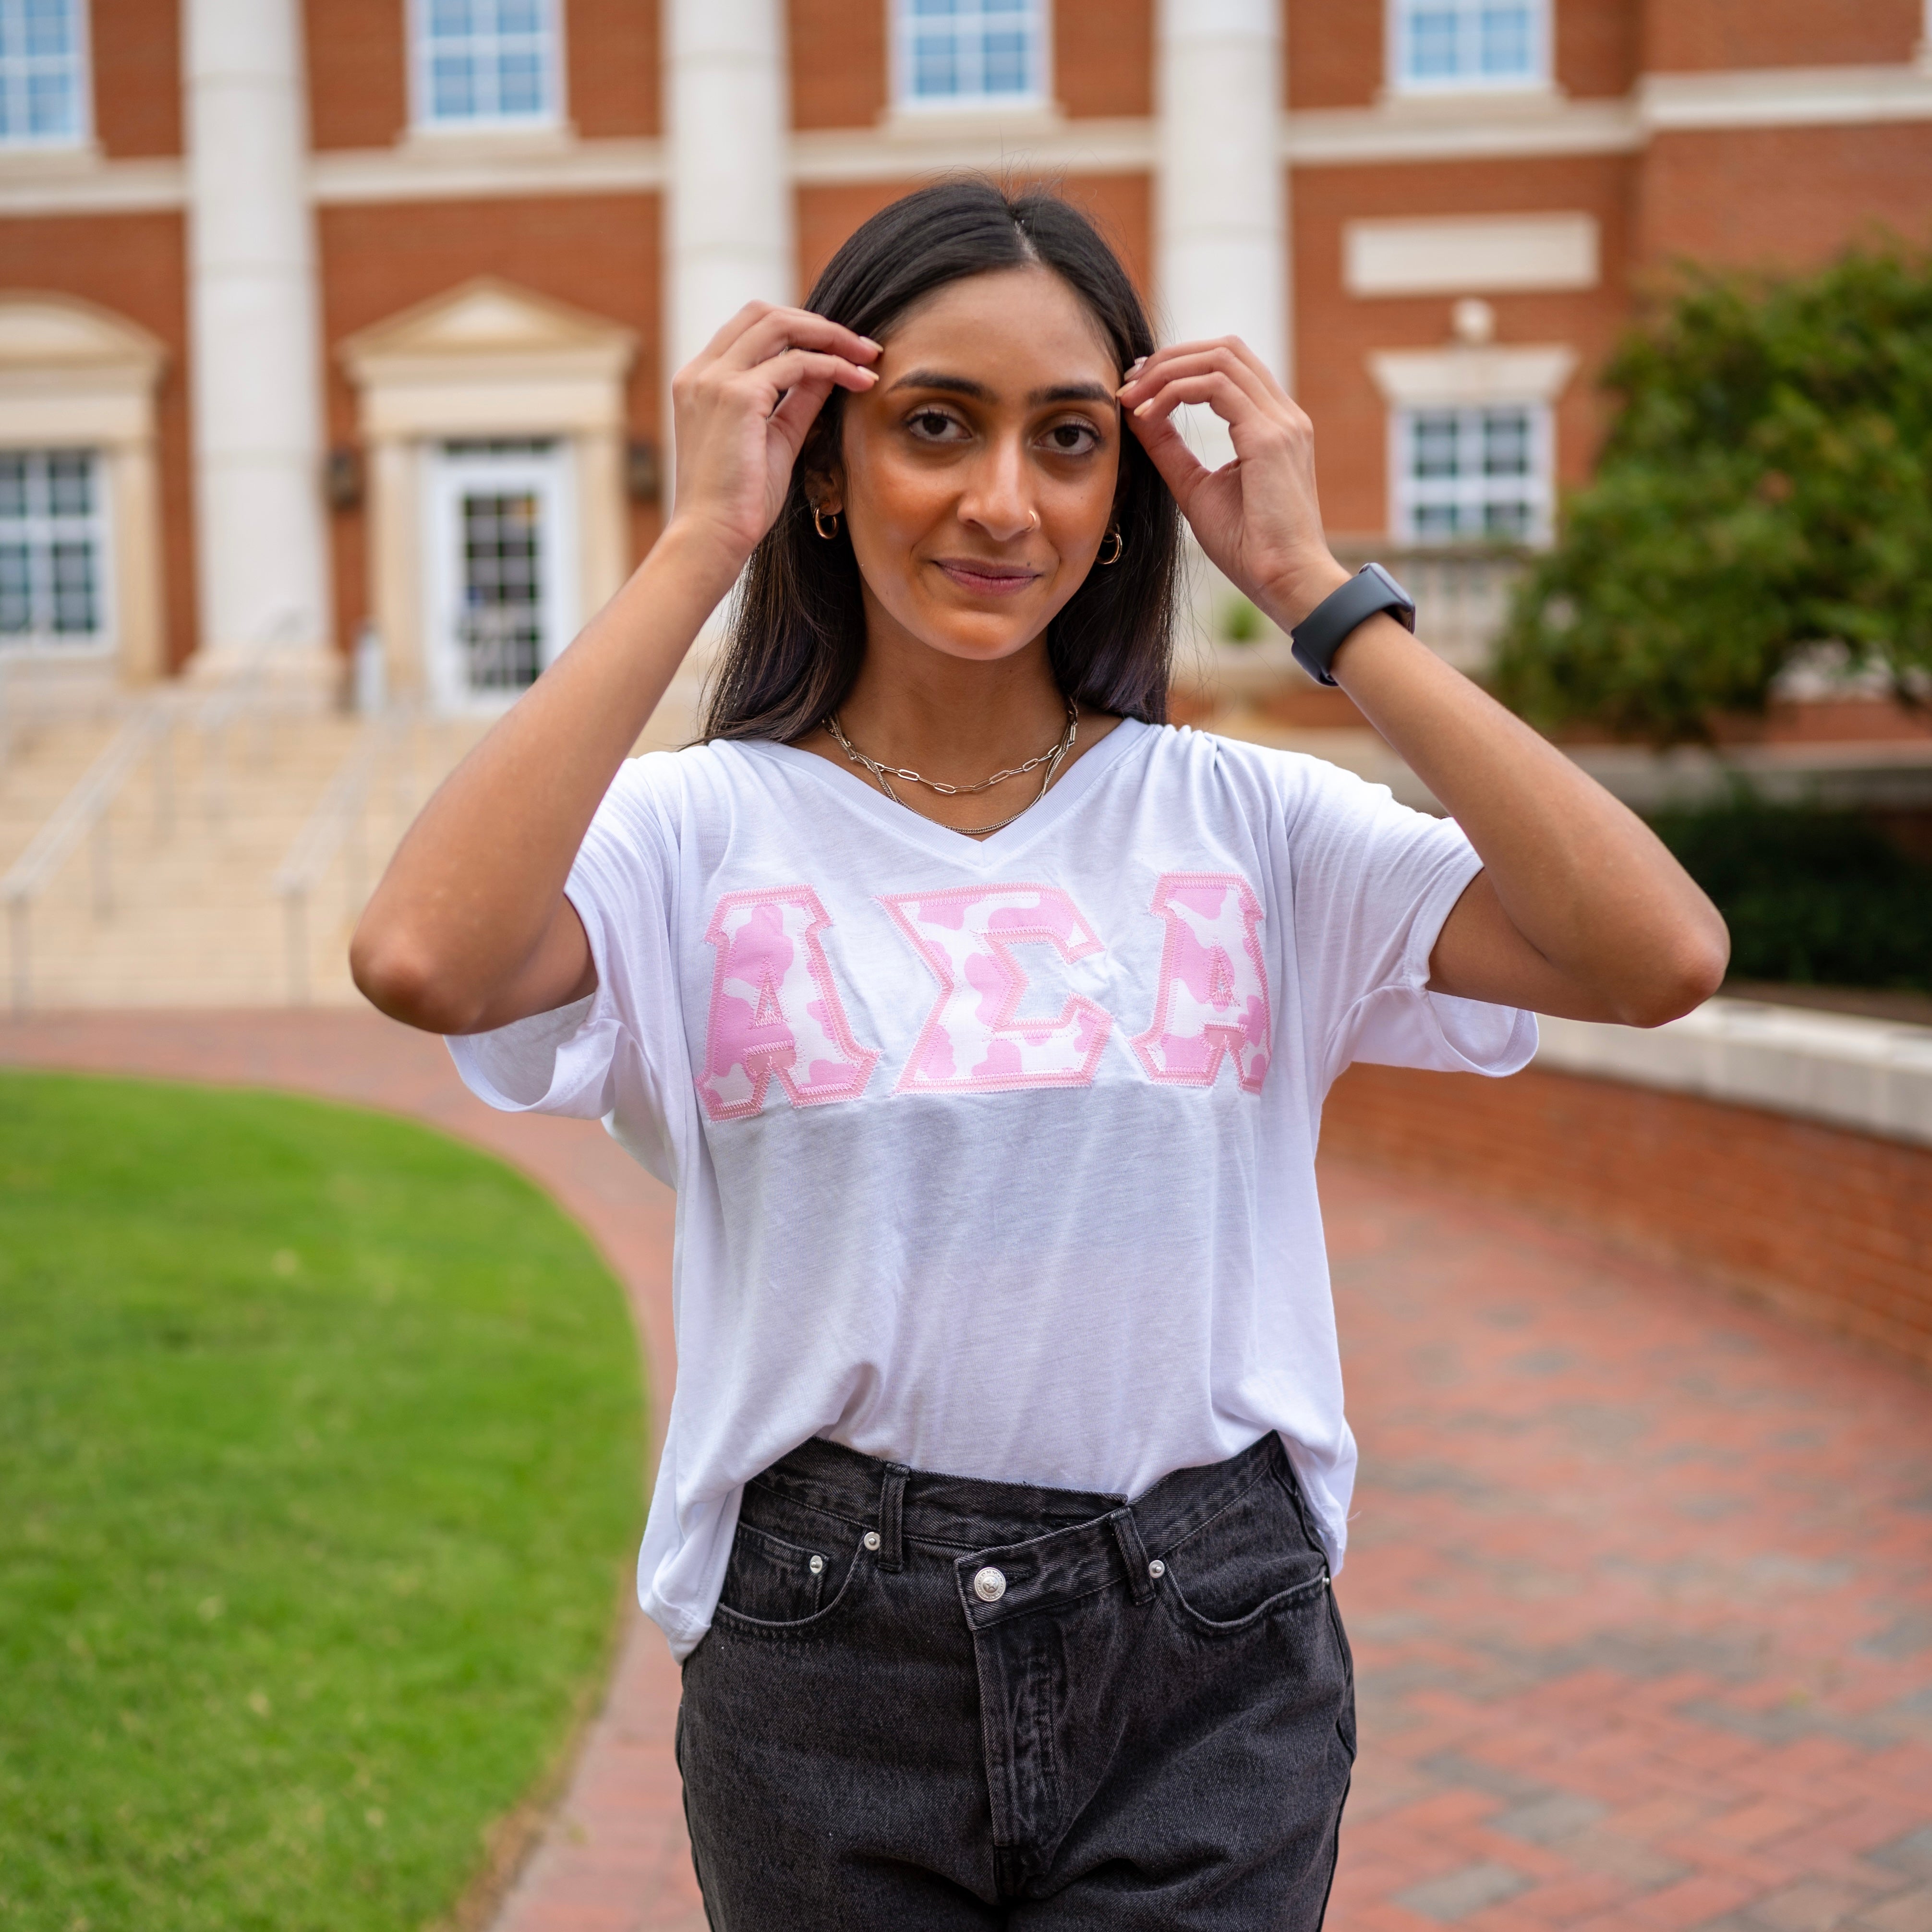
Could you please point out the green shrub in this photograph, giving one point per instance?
(1766, 486)
(1811, 897)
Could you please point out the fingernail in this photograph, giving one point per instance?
(1144, 407)
(877, 348)
(1137, 364)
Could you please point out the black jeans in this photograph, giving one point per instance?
(928, 1703)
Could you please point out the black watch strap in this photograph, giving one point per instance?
(1325, 629)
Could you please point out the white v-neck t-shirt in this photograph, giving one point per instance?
(993, 1157)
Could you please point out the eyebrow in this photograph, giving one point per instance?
(965, 385)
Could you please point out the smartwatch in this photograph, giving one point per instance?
(1326, 628)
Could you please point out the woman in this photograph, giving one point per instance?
(982, 1022)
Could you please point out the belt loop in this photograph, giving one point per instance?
(892, 1498)
(1127, 1534)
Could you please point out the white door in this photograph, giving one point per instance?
(502, 545)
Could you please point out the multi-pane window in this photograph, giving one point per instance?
(486, 62)
(42, 82)
(1468, 43)
(961, 52)
(1482, 473)
(53, 551)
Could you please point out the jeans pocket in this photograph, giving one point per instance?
(773, 1581)
(1255, 1556)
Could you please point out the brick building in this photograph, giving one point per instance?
(319, 312)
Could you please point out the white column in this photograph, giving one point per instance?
(255, 377)
(1221, 213)
(728, 207)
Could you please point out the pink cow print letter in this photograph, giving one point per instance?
(1213, 998)
(971, 1038)
(775, 1009)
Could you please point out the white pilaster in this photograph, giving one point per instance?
(1221, 212)
(728, 206)
(256, 376)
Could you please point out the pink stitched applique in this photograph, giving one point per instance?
(970, 1039)
(774, 1008)
(1214, 996)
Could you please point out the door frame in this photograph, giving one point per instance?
(547, 471)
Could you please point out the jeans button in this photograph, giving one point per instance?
(872, 1539)
(989, 1585)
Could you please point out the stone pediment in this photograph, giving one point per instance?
(45, 332)
(489, 321)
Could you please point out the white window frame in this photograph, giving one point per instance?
(81, 134)
(1536, 77)
(1407, 494)
(539, 466)
(42, 531)
(423, 119)
(904, 23)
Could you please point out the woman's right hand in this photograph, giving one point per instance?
(742, 406)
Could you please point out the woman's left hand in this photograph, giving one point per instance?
(1257, 518)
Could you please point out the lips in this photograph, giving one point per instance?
(987, 580)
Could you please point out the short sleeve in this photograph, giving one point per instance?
(605, 1055)
(1373, 883)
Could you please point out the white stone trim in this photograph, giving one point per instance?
(941, 142)
(453, 166)
(82, 180)
(1469, 254)
(1872, 1075)
(1784, 96)
(1459, 127)
(486, 360)
(1466, 377)
(74, 376)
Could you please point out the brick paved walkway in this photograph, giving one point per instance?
(1641, 1590)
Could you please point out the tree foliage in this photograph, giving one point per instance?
(1766, 487)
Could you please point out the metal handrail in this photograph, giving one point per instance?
(84, 811)
(148, 729)
(339, 823)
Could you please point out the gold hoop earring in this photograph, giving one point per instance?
(818, 521)
(1119, 549)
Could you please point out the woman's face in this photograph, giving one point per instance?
(978, 473)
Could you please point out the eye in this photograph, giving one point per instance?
(932, 425)
(1075, 437)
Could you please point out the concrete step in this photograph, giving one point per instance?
(189, 916)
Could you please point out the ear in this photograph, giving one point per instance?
(825, 493)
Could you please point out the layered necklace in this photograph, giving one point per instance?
(885, 774)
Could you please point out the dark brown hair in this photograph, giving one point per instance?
(797, 635)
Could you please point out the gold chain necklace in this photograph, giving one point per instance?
(885, 774)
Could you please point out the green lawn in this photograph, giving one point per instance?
(321, 1446)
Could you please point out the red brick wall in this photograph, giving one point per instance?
(359, 69)
(838, 58)
(1103, 60)
(1336, 54)
(1335, 331)
(597, 253)
(134, 46)
(358, 73)
(611, 83)
(1782, 197)
(1119, 204)
(1103, 56)
(1687, 35)
(131, 264)
(1836, 1225)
